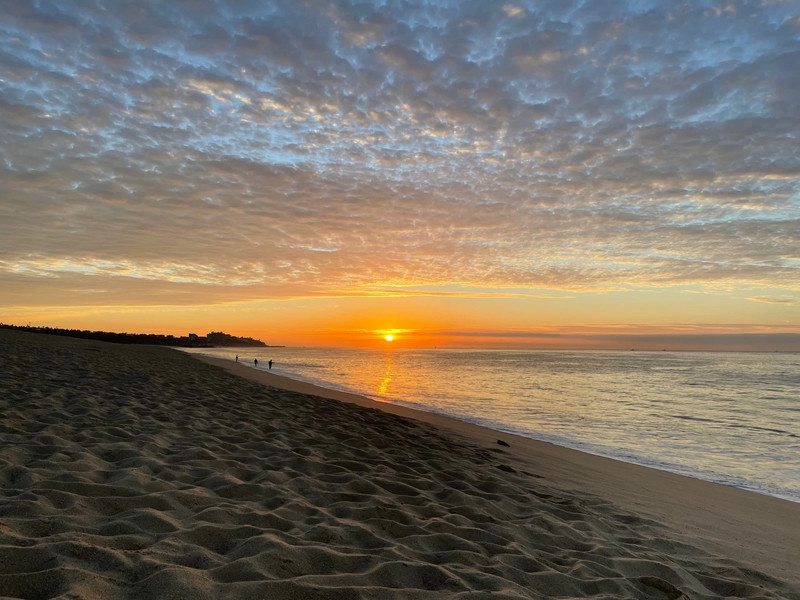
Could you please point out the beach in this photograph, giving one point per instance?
(142, 472)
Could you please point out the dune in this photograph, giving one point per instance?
(140, 472)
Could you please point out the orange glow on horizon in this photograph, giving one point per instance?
(607, 321)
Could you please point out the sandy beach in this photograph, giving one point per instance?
(141, 472)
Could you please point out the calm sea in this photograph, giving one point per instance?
(731, 418)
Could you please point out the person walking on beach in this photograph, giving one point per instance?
(270, 364)
(255, 362)
(237, 358)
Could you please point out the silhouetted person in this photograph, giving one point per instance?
(237, 358)
(270, 364)
(255, 362)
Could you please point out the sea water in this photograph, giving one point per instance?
(730, 418)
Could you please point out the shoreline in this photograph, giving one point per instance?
(745, 525)
(673, 424)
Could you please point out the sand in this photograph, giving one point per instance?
(141, 472)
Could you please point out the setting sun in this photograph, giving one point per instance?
(389, 337)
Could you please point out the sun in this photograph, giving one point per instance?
(389, 337)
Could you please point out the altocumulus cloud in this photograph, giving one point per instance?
(257, 150)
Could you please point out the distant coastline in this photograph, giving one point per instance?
(215, 339)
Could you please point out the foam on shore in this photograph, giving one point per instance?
(140, 472)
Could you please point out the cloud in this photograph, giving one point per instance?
(767, 300)
(311, 148)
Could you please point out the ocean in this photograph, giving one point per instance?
(727, 417)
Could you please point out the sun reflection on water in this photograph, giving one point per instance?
(383, 388)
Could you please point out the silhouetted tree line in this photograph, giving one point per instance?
(213, 339)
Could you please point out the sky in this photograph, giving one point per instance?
(588, 174)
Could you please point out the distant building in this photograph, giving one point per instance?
(192, 337)
(218, 338)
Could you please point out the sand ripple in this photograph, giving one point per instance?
(132, 472)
